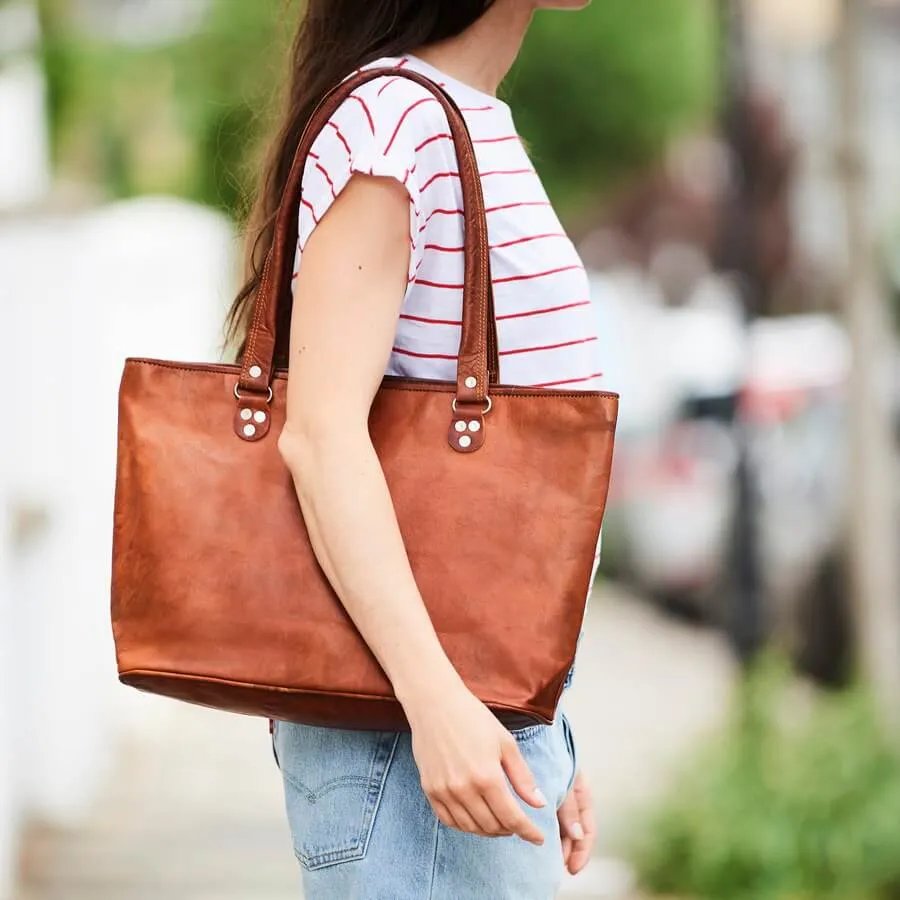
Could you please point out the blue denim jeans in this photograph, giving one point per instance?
(362, 827)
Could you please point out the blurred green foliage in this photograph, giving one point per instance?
(790, 805)
(183, 117)
(597, 95)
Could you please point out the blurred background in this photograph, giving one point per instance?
(731, 172)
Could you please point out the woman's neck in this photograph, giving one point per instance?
(484, 53)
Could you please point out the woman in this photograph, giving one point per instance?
(461, 807)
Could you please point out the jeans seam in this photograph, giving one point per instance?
(374, 794)
(437, 835)
(569, 739)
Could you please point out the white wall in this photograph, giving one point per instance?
(148, 277)
(9, 813)
(24, 150)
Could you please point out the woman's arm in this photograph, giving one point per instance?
(347, 299)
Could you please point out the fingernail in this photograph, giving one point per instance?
(539, 796)
(576, 831)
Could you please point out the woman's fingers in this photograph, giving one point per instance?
(510, 814)
(581, 849)
(480, 812)
(566, 850)
(519, 774)
(484, 806)
(443, 814)
(488, 808)
(569, 817)
(462, 818)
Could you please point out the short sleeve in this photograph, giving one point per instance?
(390, 127)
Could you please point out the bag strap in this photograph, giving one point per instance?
(478, 357)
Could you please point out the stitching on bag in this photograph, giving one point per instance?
(498, 390)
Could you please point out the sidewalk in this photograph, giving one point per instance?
(195, 813)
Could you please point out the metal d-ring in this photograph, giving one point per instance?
(488, 400)
(237, 394)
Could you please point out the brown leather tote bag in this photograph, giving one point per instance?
(217, 598)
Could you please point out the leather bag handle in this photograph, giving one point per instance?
(477, 365)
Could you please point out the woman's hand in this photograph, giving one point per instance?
(463, 752)
(576, 825)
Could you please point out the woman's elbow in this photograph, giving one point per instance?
(308, 442)
(296, 446)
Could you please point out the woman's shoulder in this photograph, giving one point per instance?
(394, 111)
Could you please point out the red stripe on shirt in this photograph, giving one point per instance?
(406, 112)
(366, 111)
(438, 176)
(543, 312)
(455, 174)
(524, 240)
(312, 209)
(536, 274)
(425, 320)
(548, 384)
(491, 209)
(387, 84)
(439, 212)
(519, 315)
(511, 278)
(433, 138)
(446, 136)
(341, 138)
(588, 340)
(438, 284)
(497, 140)
(403, 62)
(459, 212)
(323, 170)
(403, 352)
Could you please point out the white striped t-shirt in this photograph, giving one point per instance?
(546, 326)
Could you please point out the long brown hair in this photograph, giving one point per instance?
(335, 38)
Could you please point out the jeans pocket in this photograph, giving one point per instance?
(333, 781)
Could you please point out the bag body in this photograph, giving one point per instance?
(217, 597)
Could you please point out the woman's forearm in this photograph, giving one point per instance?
(353, 529)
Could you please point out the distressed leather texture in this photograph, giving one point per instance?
(217, 597)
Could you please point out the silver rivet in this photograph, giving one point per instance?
(255, 371)
(471, 382)
(259, 416)
(249, 430)
(460, 426)
(465, 441)
(475, 426)
(246, 414)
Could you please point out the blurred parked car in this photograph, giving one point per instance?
(670, 526)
